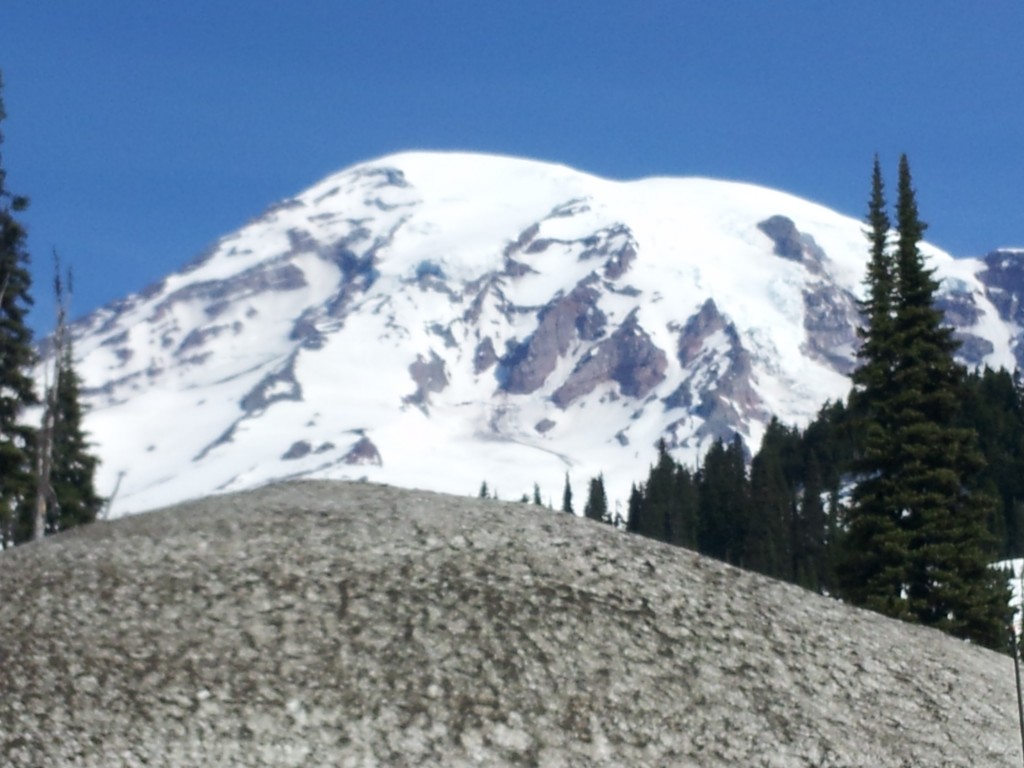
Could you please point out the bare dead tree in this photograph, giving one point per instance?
(46, 498)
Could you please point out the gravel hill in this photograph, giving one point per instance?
(327, 623)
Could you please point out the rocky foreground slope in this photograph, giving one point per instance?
(323, 623)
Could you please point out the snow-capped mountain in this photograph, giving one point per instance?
(437, 320)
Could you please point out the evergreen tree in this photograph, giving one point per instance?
(74, 466)
(485, 492)
(993, 405)
(812, 533)
(917, 545)
(65, 493)
(661, 501)
(950, 583)
(536, 496)
(16, 357)
(596, 507)
(635, 509)
(872, 573)
(685, 512)
(724, 502)
(567, 497)
(767, 546)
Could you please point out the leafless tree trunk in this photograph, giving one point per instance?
(46, 498)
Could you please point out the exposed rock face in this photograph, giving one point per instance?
(484, 356)
(564, 319)
(1004, 287)
(615, 245)
(1004, 283)
(785, 235)
(276, 386)
(627, 357)
(265, 278)
(305, 331)
(831, 320)
(791, 243)
(363, 452)
(311, 624)
(297, 450)
(717, 385)
(429, 376)
(961, 311)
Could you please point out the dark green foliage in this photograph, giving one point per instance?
(993, 404)
(65, 493)
(812, 532)
(659, 497)
(724, 502)
(567, 497)
(684, 513)
(74, 467)
(485, 492)
(666, 506)
(770, 524)
(596, 507)
(662, 504)
(877, 353)
(16, 357)
(635, 509)
(536, 496)
(875, 546)
(917, 543)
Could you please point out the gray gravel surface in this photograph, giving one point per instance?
(339, 624)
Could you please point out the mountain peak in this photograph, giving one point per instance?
(438, 319)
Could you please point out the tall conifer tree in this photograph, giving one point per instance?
(724, 502)
(71, 466)
(872, 572)
(917, 545)
(767, 548)
(950, 584)
(685, 519)
(74, 465)
(596, 507)
(16, 357)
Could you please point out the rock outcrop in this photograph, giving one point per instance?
(628, 357)
(560, 322)
(358, 625)
(717, 385)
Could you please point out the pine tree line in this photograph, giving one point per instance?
(775, 519)
(46, 474)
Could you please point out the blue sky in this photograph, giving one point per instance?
(143, 131)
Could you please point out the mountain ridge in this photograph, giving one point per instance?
(440, 319)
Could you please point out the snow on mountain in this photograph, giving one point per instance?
(439, 319)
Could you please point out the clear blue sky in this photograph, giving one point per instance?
(142, 131)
